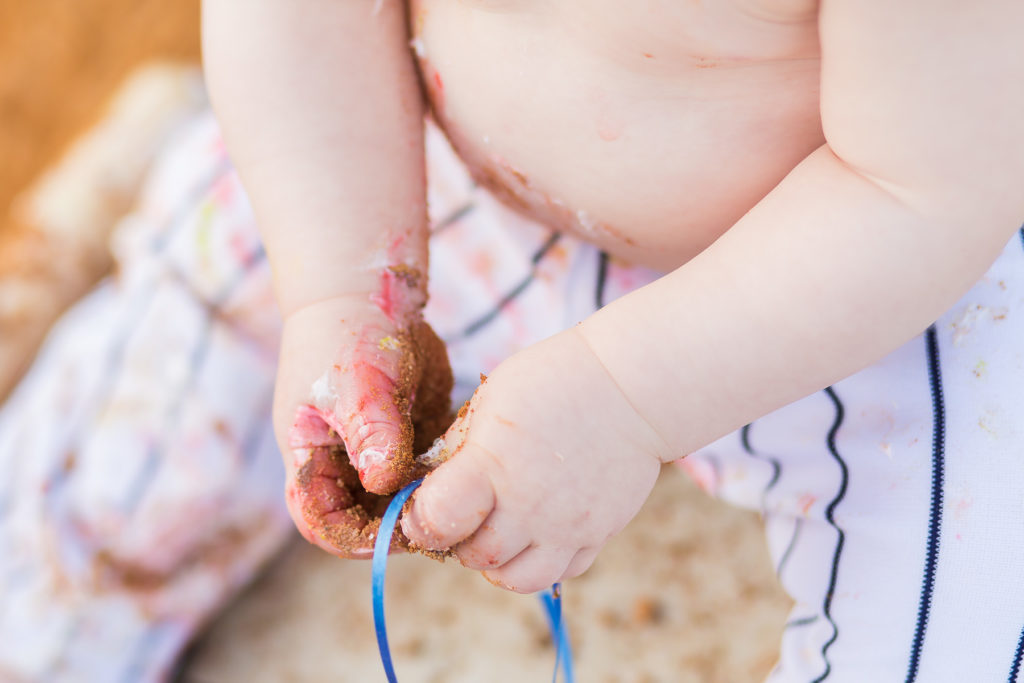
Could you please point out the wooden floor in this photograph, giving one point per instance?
(59, 62)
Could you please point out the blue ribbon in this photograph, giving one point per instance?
(380, 567)
(551, 600)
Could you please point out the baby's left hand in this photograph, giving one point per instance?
(548, 461)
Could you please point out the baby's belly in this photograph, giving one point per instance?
(648, 131)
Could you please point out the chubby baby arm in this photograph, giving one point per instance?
(862, 245)
(323, 116)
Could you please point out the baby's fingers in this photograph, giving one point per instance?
(499, 539)
(374, 421)
(393, 397)
(532, 570)
(450, 505)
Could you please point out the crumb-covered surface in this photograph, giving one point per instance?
(685, 595)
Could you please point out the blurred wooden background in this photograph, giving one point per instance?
(59, 62)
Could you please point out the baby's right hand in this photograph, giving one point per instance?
(359, 391)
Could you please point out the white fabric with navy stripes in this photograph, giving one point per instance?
(894, 502)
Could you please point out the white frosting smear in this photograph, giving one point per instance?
(372, 456)
(323, 395)
(435, 454)
(418, 47)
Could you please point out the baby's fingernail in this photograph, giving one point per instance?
(370, 459)
(415, 528)
(376, 472)
(409, 524)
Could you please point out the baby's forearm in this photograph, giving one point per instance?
(323, 117)
(861, 246)
(827, 274)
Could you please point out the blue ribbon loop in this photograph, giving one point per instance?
(551, 600)
(380, 567)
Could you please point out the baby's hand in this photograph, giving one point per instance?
(359, 390)
(548, 461)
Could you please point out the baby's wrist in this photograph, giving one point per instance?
(388, 269)
(609, 392)
(398, 292)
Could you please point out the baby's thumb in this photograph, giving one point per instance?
(451, 504)
(384, 465)
(454, 499)
(374, 423)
